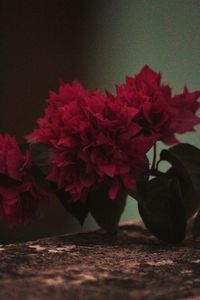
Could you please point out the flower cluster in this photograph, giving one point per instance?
(95, 142)
(160, 111)
(87, 141)
(20, 194)
(99, 140)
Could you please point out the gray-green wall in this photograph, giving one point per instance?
(163, 34)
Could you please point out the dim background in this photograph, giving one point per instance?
(97, 42)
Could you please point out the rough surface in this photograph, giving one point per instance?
(93, 265)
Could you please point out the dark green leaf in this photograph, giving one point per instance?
(105, 211)
(185, 160)
(41, 156)
(77, 209)
(24, 147)
(162, 210)
(37, 174)
(141, 180)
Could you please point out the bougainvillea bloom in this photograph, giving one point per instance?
(20, 195)
(159, 111)
(95, 141)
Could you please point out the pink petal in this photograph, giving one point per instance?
(114, 190)
(108, 169)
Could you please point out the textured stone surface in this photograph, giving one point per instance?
(93, 265)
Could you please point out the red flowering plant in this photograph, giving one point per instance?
(92, 149)
(20, 193)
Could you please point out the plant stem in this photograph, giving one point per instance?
(153, 167)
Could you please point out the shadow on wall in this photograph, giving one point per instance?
(41, 43)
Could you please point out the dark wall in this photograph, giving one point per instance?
(41, 42)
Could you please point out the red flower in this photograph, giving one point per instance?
(95, 141)
(20, 195)
(186, 106)
(159, 112)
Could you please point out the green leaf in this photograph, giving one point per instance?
(162, 210)
(185, 161)
(37, 174)
(105, 211)
(141, 180)
(35, 171)
(41, 156)
(77, 209)
(24, 147)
